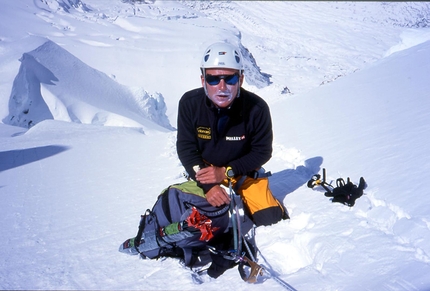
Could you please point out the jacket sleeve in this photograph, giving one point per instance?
(186, 142)
(261, 136)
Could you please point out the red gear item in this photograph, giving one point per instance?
(202, 223)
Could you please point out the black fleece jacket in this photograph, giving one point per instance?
(245, 142)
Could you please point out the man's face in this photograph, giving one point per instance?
(222, 85)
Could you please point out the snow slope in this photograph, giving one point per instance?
(73, 190)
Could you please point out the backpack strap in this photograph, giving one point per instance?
(211, 214)
(165, 204)
(260, 173)
(138, 238)
(256, 174)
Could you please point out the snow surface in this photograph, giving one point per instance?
(348, 86)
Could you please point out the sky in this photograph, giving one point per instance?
(87, 137)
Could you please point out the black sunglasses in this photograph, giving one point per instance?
(228, 79)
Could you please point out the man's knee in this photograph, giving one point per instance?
(268, 216)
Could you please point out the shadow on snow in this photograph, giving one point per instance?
(16, 158)
(287, 181)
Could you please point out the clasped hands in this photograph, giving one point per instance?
(217, 195)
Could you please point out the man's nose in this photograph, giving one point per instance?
(222, 84)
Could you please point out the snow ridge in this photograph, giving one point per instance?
(50, 72)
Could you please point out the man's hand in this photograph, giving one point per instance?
(211, 175)
(217, 196)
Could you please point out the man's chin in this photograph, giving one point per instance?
(222, 103)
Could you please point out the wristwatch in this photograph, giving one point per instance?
(229, 172)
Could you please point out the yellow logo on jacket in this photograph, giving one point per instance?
(204, 132)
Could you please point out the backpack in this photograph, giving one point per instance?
(181, 224)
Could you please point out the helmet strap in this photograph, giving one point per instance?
(238, 89)
(204, 78)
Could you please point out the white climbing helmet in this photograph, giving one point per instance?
(222, 55)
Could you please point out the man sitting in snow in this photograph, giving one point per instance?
(224, 137)
(225, 132)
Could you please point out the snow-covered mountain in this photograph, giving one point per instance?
(347, 84)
